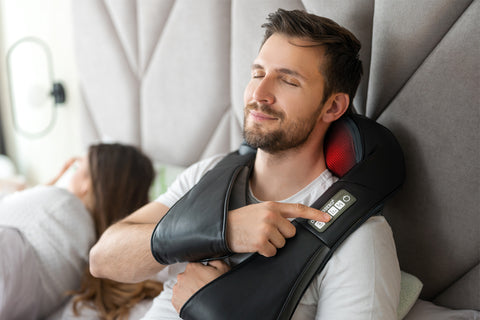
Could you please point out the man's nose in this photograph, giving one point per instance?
(264, 91)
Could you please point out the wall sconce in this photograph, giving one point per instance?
(33, 93)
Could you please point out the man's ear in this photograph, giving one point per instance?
(335, 106)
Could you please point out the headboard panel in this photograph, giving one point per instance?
(403, 37)
(436, 121)
(187, 81)
(169, 77)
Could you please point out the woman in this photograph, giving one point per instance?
(53, 229)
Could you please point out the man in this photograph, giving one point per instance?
(304, 78)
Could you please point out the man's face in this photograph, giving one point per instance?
(284, 95)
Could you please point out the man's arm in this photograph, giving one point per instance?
(123, 251)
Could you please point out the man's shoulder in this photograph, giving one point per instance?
(370, 241)
(196, 171)
(374, 229)
(201, 167)
(187, 179)
(374, 224)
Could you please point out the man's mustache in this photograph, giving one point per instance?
(264, 108)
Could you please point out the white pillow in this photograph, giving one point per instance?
(409, 292)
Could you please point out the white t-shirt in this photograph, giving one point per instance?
(360, 281)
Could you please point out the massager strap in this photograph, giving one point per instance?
(270, 288)
(194, 228)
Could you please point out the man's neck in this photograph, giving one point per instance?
(278, 176)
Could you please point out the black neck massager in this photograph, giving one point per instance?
(362, 153)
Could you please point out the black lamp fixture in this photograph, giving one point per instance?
(58, 93)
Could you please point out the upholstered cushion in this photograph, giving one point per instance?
(425, 310)
(436, 118)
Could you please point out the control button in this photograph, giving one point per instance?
(333, 211)
(335, 207)
(319, 224)
(340, 204)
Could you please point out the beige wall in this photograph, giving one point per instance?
(39, 158)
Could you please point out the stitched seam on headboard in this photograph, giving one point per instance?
(152, 54)
(379, 113)
(130, 63)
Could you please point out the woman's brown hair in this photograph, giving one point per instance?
(121, 177)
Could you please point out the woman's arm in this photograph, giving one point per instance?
(62, 171)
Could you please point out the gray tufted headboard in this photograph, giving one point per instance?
(169, 75)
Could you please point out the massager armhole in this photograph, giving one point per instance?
(194, 229)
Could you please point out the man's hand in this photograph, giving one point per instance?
(264, 227)
(195, 276)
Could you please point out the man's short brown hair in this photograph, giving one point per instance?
(343, 68)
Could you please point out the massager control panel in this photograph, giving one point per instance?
(337, 205)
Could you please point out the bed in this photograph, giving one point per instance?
(168, 76)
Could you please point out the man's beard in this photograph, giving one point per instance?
(291, 133)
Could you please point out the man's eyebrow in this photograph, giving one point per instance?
(290, 72)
